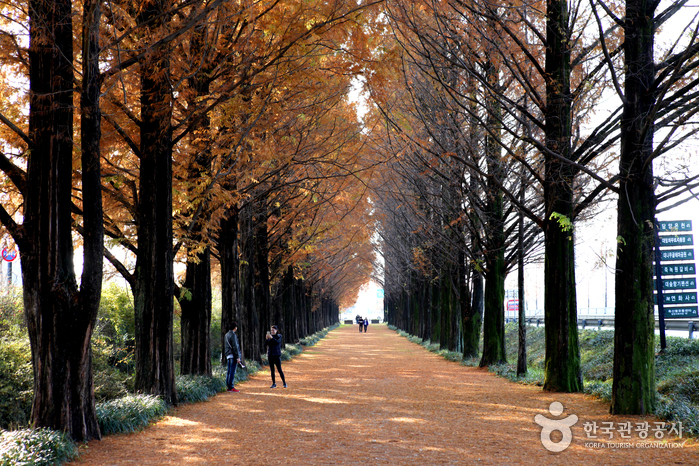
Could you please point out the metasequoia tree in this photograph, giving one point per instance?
(433, 297)
(315, 153)
(561, 68)
(451, 137)
(543, 86)
(153, 304)
(137, 151)
(655, 96)
(225, 95)
(60, 314)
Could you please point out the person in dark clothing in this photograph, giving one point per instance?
(360, 321)
(274, 353)
(366, 323)
(231, 350)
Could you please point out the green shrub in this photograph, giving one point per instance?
(454, 356)
(110, 383)
(194, 388)
(116, 313)
(313, 339)
(597, 354)
(473, 361)
(679, 347)
(432, 347)
(536, 345)
(16, 383)
(679, 357)
(293, 349)
(678, 408)
(35, 447)
(682, 383)
(129, 413)
(600, 389)
(414, 339)
(308, 341)
(113, 341)
(12, 313)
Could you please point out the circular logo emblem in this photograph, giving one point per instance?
(8, 255)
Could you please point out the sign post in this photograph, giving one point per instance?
(666, 265)
(659, 287)
(9, 255)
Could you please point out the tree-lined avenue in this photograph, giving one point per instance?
(376, 398)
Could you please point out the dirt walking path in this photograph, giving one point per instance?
(376, 398)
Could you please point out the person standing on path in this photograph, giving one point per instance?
(274, 353)
(360, 321)
(232, 353)
(366, 323)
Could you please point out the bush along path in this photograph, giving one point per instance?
(376, 398)
(127, 414)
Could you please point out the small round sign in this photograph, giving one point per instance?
(9, 255)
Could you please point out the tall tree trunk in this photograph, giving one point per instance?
(494, 315)
(250, 326)
(474, 317)
(195, 320)
(562, 366)
(633, 388)
(262, 285)
(474, 322)
(61, 318)
(464, 299)
(521, 323)
(431, 296)
(153, 294)
(230, 269)
(196, 316)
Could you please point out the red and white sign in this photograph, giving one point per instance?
(9, 255)
(512, 305)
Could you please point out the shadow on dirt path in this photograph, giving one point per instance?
(376, 398)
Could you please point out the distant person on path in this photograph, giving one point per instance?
(360, 321)
(232, 353)
(274, 353)
(366, 323)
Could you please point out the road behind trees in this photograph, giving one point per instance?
(376, 398)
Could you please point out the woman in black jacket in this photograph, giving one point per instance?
(274, 353)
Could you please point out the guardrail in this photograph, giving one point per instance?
(600, 322)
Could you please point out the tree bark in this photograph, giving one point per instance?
(494, 315)
(521, 315)
(196, 317)
(472, 324)
(230, 269)
(249, 323)
(153, 294)
(61, 318)
(633, 388)
(562, 366)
